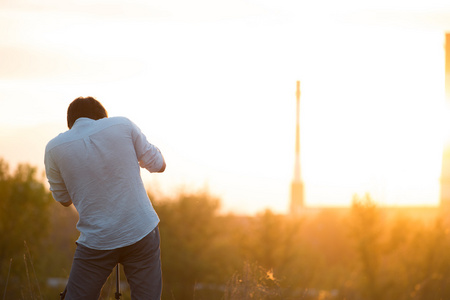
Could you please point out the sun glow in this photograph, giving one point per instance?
(216, 92)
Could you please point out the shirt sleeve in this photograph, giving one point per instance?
(57, 185)
(148, 155)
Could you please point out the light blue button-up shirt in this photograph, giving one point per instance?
(96, 165)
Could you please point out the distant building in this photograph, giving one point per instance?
(297, 201)
(445, 171)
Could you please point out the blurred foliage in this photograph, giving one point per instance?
(364, 252)
(24, 222)
(366, 231)
(194, 244)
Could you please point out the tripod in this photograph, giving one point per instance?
(117, 294)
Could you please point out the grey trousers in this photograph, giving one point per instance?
(141, 264)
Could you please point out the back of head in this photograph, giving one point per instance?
(87, 107)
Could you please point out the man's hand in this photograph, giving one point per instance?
(163, 167)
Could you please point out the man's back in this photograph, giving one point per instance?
(96, 166)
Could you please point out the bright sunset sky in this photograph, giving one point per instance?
(212, 84)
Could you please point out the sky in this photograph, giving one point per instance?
(212, 84)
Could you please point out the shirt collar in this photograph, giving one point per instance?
(82, 120)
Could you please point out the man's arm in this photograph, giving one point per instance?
(148, 155)
(57, 185)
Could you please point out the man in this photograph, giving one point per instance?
(95, 166)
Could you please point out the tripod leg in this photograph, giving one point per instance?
(118, 294)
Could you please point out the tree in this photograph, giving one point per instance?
(24, 204)
(193, 249)
(431, 263)
(366, 228)
(276, 243)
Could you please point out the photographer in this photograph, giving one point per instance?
(95, 166)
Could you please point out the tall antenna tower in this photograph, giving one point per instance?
(445, 171)
(297, 204)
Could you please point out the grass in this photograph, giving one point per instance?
(7, 279)
(31, 290)
(253, 283)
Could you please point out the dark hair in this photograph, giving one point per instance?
(87, 107)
